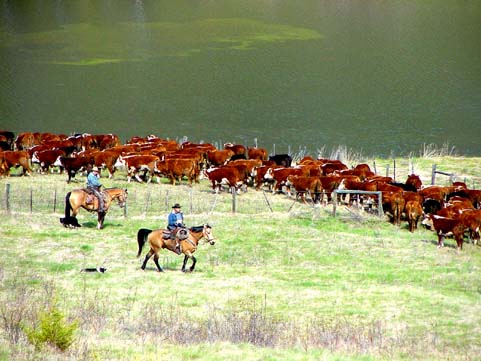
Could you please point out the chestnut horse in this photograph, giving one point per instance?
(78, 198)
(187, 246)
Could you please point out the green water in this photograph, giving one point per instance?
(381, 77)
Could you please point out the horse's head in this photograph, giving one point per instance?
(122, 198)
(207, 233)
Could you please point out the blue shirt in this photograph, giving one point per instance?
(175, 219)
(93, 181)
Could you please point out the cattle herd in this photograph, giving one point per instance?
(449, 210)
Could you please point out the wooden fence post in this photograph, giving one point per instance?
(55, 200)
(334, 203)
(387, 170)
(7, 197)
(433, 175)
(233, 199)
(394, 170)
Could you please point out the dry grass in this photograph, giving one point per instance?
(292, 284)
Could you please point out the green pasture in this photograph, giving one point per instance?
(294, 283)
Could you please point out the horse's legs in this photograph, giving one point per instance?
(156, 261)
(100, 220)
(194, 260)
(147, 257)
(185, 263)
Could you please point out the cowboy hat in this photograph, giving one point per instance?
(95, 169)
(177, 205)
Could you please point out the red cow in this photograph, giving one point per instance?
(257, 153)
(279, 176)
(447, 227)
(329, 184)
(332, 166)
(46, 158)
(176, 168)
(238, 149)
(106, 159)
(260, 179)
(414, 212)
(219, 157)
(16, 158)
(224, 175)
(393, 205)
(134, 164)
(304, 184)
(471, 219)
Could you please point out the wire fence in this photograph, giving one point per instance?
(146, 200)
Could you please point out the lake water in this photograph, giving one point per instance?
(380, 77)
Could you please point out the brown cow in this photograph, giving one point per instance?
(46, 158)
(279, 176)
(106, 159)
(224, 175)
(446, 227)
(176, 168)
(471, 219)
(134, 164)
(304, 184)
(217, 158)
(238, 149)
(414, 212)
(16, 158)
(393, 205)
(257, 153)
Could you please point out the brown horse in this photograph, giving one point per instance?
(80, 198)
(187, 246)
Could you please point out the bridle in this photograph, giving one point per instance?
(207, 232)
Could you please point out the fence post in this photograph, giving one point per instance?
(191, 200)
(433, 175)
(334, 203)
(374, 166)
(387, 170)
(379, 204)
(394, 170)
(55, 200)
(233, 199)
(7, 197)
(147, 201)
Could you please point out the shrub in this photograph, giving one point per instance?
(52, 329)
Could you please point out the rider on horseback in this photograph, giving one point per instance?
(93, 184)
(175, 223)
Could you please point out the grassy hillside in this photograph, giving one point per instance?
(293, 283)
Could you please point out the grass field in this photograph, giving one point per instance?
(292, 284)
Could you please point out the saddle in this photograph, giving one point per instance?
(91, 197)
(180, 233)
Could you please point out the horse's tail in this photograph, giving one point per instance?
(67, 221)
(141, 238)
(68, 207)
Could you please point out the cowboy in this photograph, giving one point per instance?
(93, 184)
(175, 222)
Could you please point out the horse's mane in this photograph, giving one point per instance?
(197, 229)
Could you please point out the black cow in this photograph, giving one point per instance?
(283, 160)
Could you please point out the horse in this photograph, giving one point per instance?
(187, 246)
(78, 198)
